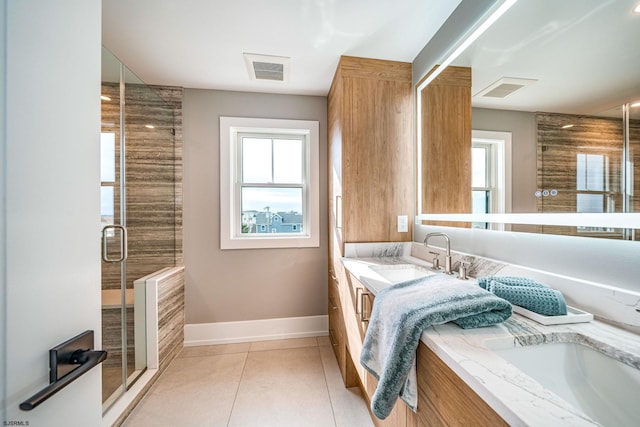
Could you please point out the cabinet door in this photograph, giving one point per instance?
(377, 160)
(445, 399)
(336, 328)
(354, 328)
(397, 417)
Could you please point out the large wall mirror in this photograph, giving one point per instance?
(556, 84)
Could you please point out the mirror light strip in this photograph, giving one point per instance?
(611, 220)
(468, 41)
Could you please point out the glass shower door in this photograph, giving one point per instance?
(138, 211)
(114, 239)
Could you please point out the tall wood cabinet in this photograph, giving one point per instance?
(446, 136)
(371, 183)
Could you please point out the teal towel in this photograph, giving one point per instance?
(526, 293)
(401, 313)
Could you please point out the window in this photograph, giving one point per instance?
(107, 179)
(269, 171)
(593, 188)
(490, 173)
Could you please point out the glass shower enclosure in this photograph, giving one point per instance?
(138, 202)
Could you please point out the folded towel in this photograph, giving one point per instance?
(399, 316)
(509, 280)
(526, 293)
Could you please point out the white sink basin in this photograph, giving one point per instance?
(397, 273)
(604, 388)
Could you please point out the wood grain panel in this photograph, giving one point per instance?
(370, 176)
(375, 69)
(446, 143)
(399, 414)
(444, 399)
(379, 160)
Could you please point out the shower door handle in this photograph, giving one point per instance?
(123, 243)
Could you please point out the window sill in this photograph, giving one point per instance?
(269, 242)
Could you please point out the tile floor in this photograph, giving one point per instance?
(281, 383)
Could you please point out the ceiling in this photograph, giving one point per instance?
(583, 54)
(200, 43)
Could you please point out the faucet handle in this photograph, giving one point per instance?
(435, 264)
(462, 270)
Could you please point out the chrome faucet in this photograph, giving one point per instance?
(447, 258)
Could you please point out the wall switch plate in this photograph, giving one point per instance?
(403, 223)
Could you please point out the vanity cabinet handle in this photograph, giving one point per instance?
(333, 341)
(338, 207)
(362, 295)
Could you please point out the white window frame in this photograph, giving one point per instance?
(498, 168)
(230, 234)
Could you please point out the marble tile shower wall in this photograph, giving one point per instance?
(558, 152)
(153, 180)
(170, 316)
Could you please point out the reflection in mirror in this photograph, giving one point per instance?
(568, 96)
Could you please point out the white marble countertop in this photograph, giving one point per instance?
(515, 396)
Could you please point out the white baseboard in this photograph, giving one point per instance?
(255, 330)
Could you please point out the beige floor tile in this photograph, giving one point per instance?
(210, 350)
(323, 341)
(349, 407)
(197, 391)
(284, 344)
(283, 388)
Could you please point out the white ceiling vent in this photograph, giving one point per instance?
(504, 87)
(269, 68)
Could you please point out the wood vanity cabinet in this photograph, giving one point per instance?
(370, 164)
(363, 306)
(370, 181)
(444, 399)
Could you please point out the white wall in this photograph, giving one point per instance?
(51, 166)
(3, 215)
(250, 284)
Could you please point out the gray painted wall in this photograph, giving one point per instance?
(522, 126)
(251, 284)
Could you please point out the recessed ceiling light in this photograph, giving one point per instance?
(150, 126)
(635, 104)
(567, 126)
(636, 9)
(105, 98)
